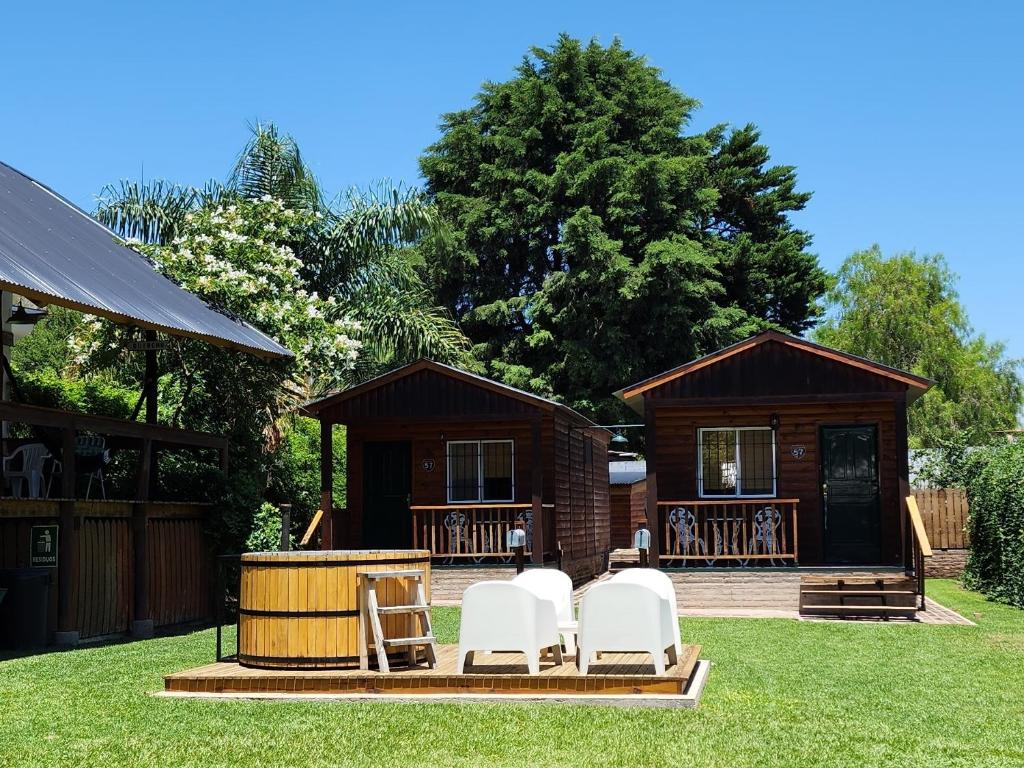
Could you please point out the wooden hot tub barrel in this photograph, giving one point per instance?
(299, 609)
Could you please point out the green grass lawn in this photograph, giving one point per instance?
(781, 693)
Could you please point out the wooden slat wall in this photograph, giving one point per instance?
(180, 570)
(944, 512)
(582, 502)
(180, 582)
(104, 604)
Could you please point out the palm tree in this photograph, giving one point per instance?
(360, 253)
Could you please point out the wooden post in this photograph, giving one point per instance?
(327, 484)
(151, 382)
(903, 473)
(651, 433)
(286, 527)
(68, 547)
(142, 621)
(537, 490)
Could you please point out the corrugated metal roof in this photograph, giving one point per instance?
(626, 472)
(52, 251)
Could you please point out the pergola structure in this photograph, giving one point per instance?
(53, 253)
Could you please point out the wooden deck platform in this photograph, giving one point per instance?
(614, 675)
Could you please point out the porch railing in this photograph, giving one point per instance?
(722, 532)
(469, 533)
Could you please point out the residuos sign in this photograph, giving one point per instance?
(43, 542)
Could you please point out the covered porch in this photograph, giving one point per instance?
(448, 461)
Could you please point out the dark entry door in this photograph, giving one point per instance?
(387, 481)
(850, 497)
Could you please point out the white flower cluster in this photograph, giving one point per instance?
(234, 257)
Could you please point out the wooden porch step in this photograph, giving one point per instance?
(397, 642)
(858, 593)
(862, 609)
(385, 609)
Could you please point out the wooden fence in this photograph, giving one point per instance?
(179, 570)
(944, 513)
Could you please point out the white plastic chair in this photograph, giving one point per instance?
(624, 618)
(33, 456)
(662, 584)
(504, 616)
(553, 585)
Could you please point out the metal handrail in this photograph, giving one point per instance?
(220, 602)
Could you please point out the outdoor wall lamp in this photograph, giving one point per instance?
(22, 315)
(642, 541)
(516, 541)
(774, 421)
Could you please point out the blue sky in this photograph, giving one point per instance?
(903, 118)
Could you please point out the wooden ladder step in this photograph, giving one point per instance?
(394, 642)
(385, 609)
(407, 574)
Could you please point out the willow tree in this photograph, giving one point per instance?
(595, 240)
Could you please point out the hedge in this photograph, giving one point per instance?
(995, 489)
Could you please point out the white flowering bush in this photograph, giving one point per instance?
(236, 257)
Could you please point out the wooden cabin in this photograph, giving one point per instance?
(777, 451)
(627, 481)
(445, 460)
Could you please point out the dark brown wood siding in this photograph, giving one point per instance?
(426, 395)
(798, 477)
(428, 441)
(628, 511)
(582, 504)
(774, 369)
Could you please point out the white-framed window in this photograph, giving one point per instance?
(735, 462)
(481, 471)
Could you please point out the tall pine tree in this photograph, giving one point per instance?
(594, 242)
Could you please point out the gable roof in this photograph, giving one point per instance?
(542, 403)
(53, 252)
(916, 385)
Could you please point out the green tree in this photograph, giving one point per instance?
(593, 241)
(904, 311)
(355, 248)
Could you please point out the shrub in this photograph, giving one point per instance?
(266, 529)
(995, 489)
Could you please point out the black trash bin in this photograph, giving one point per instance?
(24, 608)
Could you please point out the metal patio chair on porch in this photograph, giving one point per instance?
(684, 524)
(92, 457)
(765, 538)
